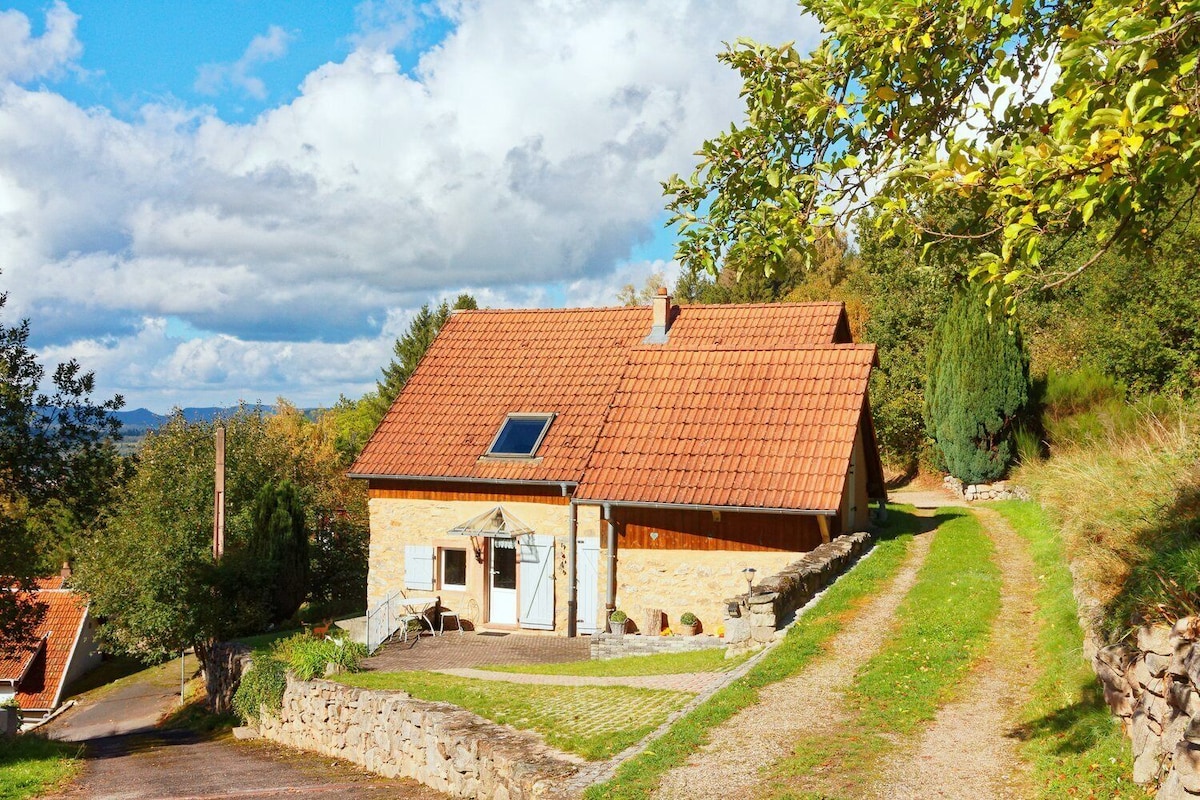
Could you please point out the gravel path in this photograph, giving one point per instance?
(679, 682)
(808, 704)
(970, 749)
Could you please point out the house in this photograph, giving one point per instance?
(64, 650)
(543, 466)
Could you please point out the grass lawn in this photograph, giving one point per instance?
(659, 664)
(1074, 744)
(595, 722)
(31, 765)
(638, 777)
(942, 629)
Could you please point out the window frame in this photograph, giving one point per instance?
(547, 419)
(441, 573)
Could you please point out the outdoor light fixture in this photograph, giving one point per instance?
(748, 574)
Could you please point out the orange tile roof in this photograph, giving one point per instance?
(765, 368)
(733, 428)
(59, 629)
(485, 364)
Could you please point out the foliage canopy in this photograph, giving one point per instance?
(1048, 121)
(58, 466)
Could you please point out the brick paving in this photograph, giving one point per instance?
(473, 649)
(695, 682)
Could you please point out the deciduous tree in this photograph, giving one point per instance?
(1048, 121)
(57, 462)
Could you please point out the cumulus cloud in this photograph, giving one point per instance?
(521, 158)
(24, 56)
(213, 79)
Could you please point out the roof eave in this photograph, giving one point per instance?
(809, 512)
(459, 479)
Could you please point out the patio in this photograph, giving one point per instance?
(474, 649)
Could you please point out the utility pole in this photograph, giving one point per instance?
(219, 498)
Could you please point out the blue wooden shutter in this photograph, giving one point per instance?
(418, 566)
(537, 582)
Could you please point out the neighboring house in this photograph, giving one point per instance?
(650, 454)
(65, 649)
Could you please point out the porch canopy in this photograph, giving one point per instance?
(496, 522)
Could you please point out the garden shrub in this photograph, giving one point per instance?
(301, 655)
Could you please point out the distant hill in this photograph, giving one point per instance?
(141, 421)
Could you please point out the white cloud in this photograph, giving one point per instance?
(271, 46)
(521, 158)
(24, 56)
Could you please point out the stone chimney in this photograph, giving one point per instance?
(660, 324)
(65, 572)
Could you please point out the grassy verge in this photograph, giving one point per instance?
(942, 628)
(806, 640)
(658, 664)
(31, 766)
(1071, 740)
(595, 722)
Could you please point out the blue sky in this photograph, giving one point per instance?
(226, 200)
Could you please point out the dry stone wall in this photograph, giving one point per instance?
(752, 620)
(608, 645)
(1001, 490)
(1155, 691)
(437, 744)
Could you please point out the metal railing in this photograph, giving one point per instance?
(382, 622)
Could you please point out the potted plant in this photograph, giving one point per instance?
(10, 717)
(688, 623)
(617, 621)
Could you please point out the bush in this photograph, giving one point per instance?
(618, 616)
(688, 618)
(262, 686)
(305, 657)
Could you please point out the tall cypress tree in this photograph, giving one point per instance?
(279, 545)
(977, 388)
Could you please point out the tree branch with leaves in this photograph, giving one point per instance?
(1048, 120)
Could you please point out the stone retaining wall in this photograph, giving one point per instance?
(1000, 490)
(606, 645)
(1155, 691)
(437, 744)
(754, 620)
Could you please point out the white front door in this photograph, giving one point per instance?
(502, 596)
(588, 597)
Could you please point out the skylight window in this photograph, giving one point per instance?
(520, 435)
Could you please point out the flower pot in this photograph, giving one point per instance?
(688, 630)
(10, 721)
(618, 628)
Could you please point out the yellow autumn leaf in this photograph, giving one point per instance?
(885, 94)
(1179, 111)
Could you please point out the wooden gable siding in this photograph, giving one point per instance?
(462, 490)
(685, 529)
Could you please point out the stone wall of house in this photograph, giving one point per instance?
(1000, 490)
(606, 645)
(1155, 691)
(396, 523)
(753, 620)
(437, 744)
(677, 581)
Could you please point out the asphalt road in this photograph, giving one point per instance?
(182, 766)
